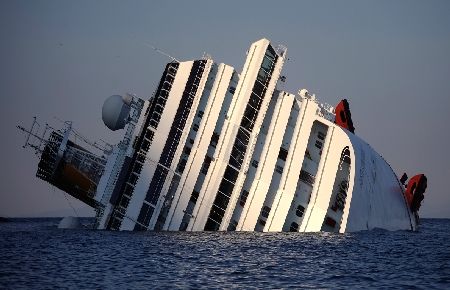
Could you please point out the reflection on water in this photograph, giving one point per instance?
(35, 254)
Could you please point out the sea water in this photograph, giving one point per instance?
(35, 254)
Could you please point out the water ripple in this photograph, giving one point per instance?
(35, 255)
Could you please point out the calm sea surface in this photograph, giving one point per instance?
(35, 254)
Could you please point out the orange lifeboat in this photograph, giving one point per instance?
(414, 191)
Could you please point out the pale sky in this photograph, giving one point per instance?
(390, 59)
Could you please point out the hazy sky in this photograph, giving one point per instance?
(390, 59)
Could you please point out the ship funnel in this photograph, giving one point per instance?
(115, 111)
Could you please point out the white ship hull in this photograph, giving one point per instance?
(214, 150)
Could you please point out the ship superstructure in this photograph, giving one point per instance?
(216, 150)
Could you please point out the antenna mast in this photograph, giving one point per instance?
(162, 52)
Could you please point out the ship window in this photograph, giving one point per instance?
(187, 150)
(237, 157)
(159, 109)
(262, 75)
(216, 213)
(321, 136)
(195, 127)
(255, 101)
(166, 86)
(206, 163)
(247, 124)
(270, 52)
(267, 64)
(200, 114)
(128, 190)
(194, 196)
(262, 222)
(169, 79)
(133, 179)
(217, 210)
(182, 165)
(265, 211)
(282, 154)
(161, 100)
(226, 187)
(294, 227)
(170, 147)
(243, 199)
(232, 90)
(124, 201)
(306, 177)
(149, 135)
(214, 139)
(250, 115)
(211, 225)
(145, 145)
(258, 89)
(300, 210)
(137, 168)
(318, 144)
(233, 225)
(279, 169)
(115, 224)
(255, 163)
(191, 141)
(156, 116)
(330, 222)
(153, 123)
(145, 214)
(140, 157)
(156, 184)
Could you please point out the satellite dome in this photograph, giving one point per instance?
(115, 112)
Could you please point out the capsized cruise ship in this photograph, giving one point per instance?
(217, 150)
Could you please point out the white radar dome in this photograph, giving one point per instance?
(115, 112)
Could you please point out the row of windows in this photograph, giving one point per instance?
(174, 135)
(182, 163)
(162, 93)
(206, 163)
(167, 202)
(239, 149)
(134, 173)
(143, 142)
(241, 142)
(182, 113)
(258, 92)
(341, 186)
(222, 199)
